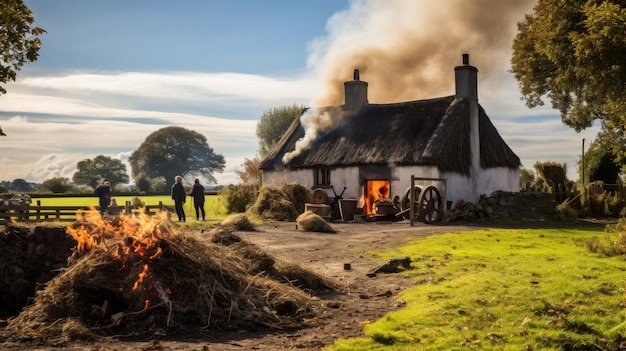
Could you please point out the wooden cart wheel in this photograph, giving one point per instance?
(430, 205)
(405, 203)
(320, 196)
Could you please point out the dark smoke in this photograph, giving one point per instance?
(407, 49)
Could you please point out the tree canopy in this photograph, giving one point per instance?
(600, 163)
(173, 151)
(573, 52)
(19, 40)
(57, 185)
(90, 172)
(274, 123)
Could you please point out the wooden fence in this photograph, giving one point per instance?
(38, 213)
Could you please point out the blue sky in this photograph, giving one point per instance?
(112, 72)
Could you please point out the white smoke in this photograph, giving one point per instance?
(407, 49)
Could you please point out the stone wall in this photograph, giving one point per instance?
(30, 258)
(503, 204)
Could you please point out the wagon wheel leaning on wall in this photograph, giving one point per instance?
(320, 196)
(430, 205)
(405, 202)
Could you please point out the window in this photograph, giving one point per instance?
(321, 176)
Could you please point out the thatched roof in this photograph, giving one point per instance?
(423, 132)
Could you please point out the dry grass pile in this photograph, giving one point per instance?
(281, 204)
(239, 222)
(144, 279)
(260, 262)
(312, 222)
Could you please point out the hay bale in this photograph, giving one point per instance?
(149, 280)
(298, 195)
(239, 222)
(273, 204)
(311, 222)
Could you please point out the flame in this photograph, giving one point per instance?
(135, 240)
(375, 190)
(141, 277)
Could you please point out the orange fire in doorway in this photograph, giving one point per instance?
(375, 190)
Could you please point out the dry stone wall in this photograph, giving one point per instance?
(504, 204)
(30, 258)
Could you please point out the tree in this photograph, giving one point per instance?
(91, 171)
(173, 151)
(600, 163)
(20, 185)
(274, 123)
(19, 41)
(251, 174)
(57, 185)
(573, 53)
(526, 176)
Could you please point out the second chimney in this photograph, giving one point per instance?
(466, 79)
(355, 93)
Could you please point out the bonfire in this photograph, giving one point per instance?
(136, 276)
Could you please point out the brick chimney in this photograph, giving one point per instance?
(465, 79)
(355, 93)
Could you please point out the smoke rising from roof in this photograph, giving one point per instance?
(407, 50)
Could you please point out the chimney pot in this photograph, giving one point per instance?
(466, 59)
(356, 74)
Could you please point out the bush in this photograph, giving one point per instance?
(238, 197)
(565, 210)
(610, 246)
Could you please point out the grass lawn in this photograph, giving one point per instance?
(213, 206)
(501, 289)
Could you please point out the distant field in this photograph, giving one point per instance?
(214, 208)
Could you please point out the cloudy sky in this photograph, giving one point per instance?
(112, 72)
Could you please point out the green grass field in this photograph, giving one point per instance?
(538, 289)
(213, 206)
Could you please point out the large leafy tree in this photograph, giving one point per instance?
(274, 123)
(173, 151)
(57, 185)
(91, 171)
(19, 40)
(573, 52)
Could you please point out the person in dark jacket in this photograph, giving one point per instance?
(103, 191)
(179, 196)
(197, 191)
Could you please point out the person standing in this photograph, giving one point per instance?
(179, 196)
(197, 191)
(103, 191)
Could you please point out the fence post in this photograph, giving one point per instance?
(127, 207)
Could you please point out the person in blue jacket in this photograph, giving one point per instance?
(103, 191)
(197, 192)
(179, 195)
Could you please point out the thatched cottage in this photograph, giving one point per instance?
(378, 147)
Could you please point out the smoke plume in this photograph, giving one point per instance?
(407, 49)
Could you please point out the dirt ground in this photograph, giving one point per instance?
(343, 315)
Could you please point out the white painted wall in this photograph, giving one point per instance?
(501, 178)
(457, 186)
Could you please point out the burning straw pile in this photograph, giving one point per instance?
(137, 277)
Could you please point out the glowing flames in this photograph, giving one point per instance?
(135, 241)
(138, 234)
(375, 190)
